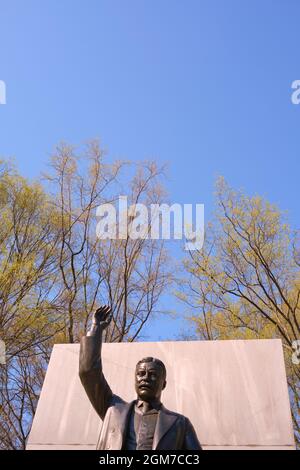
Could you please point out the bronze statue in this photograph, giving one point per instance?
(144, 423)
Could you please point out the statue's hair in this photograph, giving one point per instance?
(158, 362)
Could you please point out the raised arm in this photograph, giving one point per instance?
(90, 363)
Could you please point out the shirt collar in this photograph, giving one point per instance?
(153, 404)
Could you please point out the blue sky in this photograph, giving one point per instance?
(202, 85)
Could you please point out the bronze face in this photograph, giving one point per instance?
(149, 381)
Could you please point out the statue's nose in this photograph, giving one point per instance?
(146, 376)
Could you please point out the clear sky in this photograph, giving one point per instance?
(204, 85)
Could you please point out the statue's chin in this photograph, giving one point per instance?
(144, 395)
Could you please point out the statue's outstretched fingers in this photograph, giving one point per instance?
(106, 311)
(101, 313)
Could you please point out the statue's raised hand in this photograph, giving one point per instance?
(102, 317)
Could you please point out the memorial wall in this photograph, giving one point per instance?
(234, 392)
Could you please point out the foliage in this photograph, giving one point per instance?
(245, 282)
(54, 272)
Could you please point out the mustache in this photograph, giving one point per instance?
(144, 384)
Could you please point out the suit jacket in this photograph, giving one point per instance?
(173, 431)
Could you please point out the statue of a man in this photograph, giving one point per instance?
(143, 424)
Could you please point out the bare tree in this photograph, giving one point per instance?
(129, 274)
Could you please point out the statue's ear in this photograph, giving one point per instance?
(164, 385)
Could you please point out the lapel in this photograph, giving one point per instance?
(124, 411)
(165, 421)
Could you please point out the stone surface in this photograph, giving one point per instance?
(234, 392)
